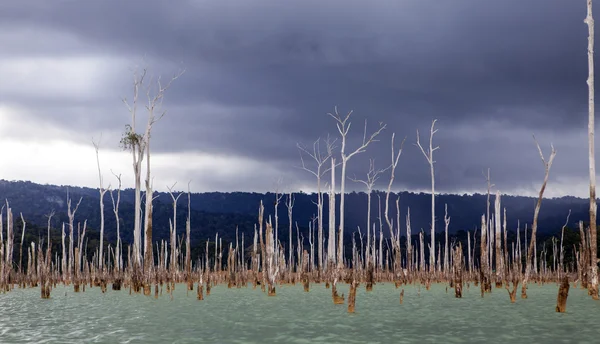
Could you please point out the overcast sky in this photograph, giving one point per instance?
(262, 75)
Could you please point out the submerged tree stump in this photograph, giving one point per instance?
(370, 277)
(563, 293)
(199, 292)
(513, 293)
(352, 297)
(402, 296)
(337, 300)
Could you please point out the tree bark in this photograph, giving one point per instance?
(593, 287)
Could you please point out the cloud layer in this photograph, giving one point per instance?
(261, 76)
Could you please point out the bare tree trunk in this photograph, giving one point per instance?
(563, 293)
(499, 263)
(71, 215)
(429, 156)
(484, 267)
(102, 191)
(173, 265)
(331, 242)
(188, 246)
(118, 259)
(343, 127)
(532, 242)
(290, 206)
(593, 288)
(148, 254)
(447, 223)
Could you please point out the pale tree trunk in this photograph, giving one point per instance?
(409, 248)
(139, 144)
(278, 198)
(589, 20)
(320, 159)
(429, 156)
(499, 259)
(372, 177)
(188, 229)
(483, 263)
(102, 191)
(21, 244)
(64, 253)
(71, 215)
(446, 225)
(532, 242)
(118, 259)
(343, 126)
(395, 238)
(173, 265)
(290, 206)
(331, 238)
(148, 256)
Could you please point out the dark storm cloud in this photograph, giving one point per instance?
(261, 75)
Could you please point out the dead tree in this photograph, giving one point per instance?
(320, 160)
(395, 237)
(563, 294)
(429, 157)
(446, 225)
(71, 215)
(102, 191)
(532, 241)
(290, 206)
(458, 271)
(188, 248)
(593, 287)
(173, 265)
(372, 177)
(139, 144)
(343, 126)
(498, 230)
(331, 238)
(118, 258)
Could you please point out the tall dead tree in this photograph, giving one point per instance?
(290, 207)
(372, 177)
(498, 228)
(395, 237)
(589, 20)
(532, 241)
(429, 157)
(188, 229)
(118, 259)
(278, 198)
(173, 265)
(320, 160)
(343, 126)
(331, 237)
(446, 253)
(71, 214)
(139, 144)
(102, 191)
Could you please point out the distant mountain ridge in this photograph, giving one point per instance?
(222, 212)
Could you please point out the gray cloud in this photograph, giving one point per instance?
(262, 75)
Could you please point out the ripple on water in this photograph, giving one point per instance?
(293, 316)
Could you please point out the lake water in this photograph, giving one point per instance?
(293, 316)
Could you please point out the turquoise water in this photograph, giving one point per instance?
(293, 316)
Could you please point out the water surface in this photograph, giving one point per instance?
(293, 316)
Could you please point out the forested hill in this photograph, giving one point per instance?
(221, 212)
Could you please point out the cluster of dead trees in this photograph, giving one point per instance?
(266, 263)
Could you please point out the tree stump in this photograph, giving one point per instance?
(563, 293)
